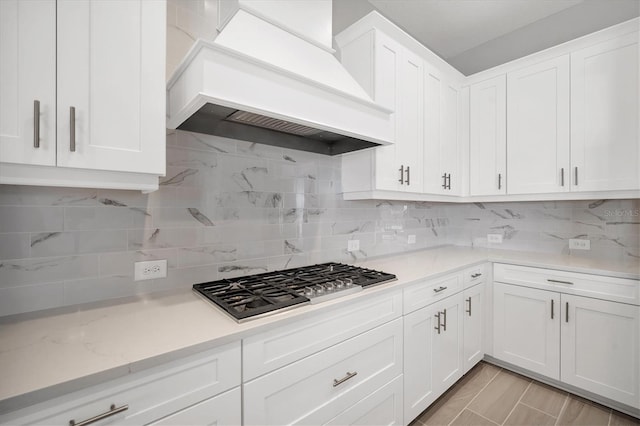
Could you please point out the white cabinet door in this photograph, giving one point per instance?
(441, 136)
(488, 137)
(433, 339)
(220, 410)
(605, 147)
(111, 85)
(473, 325)
(410, 121)
(601, 347)
(526, 328)
(28, 77)
(538, 128)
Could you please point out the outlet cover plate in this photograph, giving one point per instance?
(150, 270)
(579, 244)
(494, 238)
(411, 239)
(353, 245)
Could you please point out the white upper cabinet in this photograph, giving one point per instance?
(538, 127)
(488, 133)
(28, 82)
(605, 147)
(392, 76)
(441, 164)
(109, 63)
(88, 77)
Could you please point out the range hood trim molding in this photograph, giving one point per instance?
(185, 94)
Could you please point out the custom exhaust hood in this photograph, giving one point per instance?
(270, 77)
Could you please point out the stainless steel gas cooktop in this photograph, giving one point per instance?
(254, 296)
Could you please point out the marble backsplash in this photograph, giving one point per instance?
(229, 208)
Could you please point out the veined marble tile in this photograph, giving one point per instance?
(95, 289)
(183, 176)
(28, 298)
(31, 219)
(47, 244)
(246, 232)
(257, 266)
(228, 252)
(121, 263)
(43, 270)
(249, 199)
(204, 142)
(183, 217)
(14, 246)
(20, 195)
(155, 238)
(251, 149)
(85, 218)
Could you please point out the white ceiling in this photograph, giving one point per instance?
(474, 35)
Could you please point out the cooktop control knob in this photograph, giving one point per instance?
(339, 284)
(308, 292)
(348, 282)
(330, 286)
(319, 289)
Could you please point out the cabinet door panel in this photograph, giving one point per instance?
(473, 326)
(538, 128)
(221, 410)
(605, 136)
(108, 62)
(488, 137)
(448, 344)
(27, 74)
(526, 332)
(601, 348)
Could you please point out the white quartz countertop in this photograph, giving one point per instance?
(47, 354)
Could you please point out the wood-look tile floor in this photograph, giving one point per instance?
(489, 395)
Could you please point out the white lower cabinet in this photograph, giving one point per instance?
(586, 342)
(223, 409)
(473, 326)
(317, 388)
(526, 331)
(600, 348)
(433, 353)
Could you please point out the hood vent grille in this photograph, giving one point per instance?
(283, 126)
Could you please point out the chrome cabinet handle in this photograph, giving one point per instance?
(113, 410)
(438, 327)
(444, 323)
(401, 170)
(337, 382)
(469, 311)
(408, 177)
(439, 289)
(562, 176)
(476, 275)
(36, 124)
(72, 129)
(559, 281)
(449, 181)
(576, 177)
(552, 308)
(566, 312)
(499, 180)
(444, 181)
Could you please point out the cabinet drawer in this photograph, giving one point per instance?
(150, 394)
(276, 348)
(221, 410)
(316, 389)
(427, 292)
(597, 286)
(383, 407)
(475, 275)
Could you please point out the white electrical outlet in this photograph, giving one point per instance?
(150, 270)
(494, 238)
(411, 239)
(579, 244)
(353, 245)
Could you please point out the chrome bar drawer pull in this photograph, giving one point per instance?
(476, 275)
(566, 312)
(469, 311)
(72, 129)
(401, 170)
(36, 124)
(444, 321)
(576, 180)
(562, 176)
(408, 181)
(113, 410)
(438, 326)
(559, 281)
(439, 289)
(551, 308)
(444, 181)
(337, 382)
(499, 180)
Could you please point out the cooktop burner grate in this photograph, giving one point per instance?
(256, 295)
